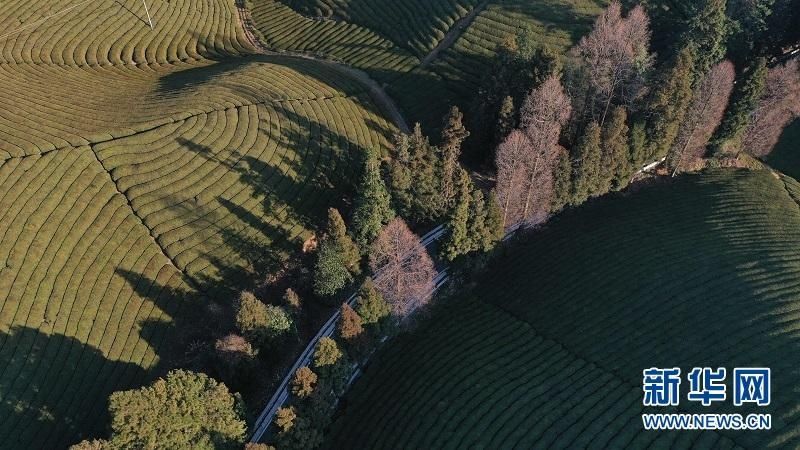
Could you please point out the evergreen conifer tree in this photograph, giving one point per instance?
(505, 120)
(337, 234)
(370, 304)
(458, 241)
(587, 174)
(453, 134)
(562, 181)
(708, 30)
(330, 270)
(400, 176)
(616, 153)
(670, 102)
(373, 205)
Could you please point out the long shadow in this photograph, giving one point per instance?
(685, 274)
(50, 404)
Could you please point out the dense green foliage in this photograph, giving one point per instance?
(373, 204)
(261, 324)
(185, 410)
(548, 349)
(370, 304)
(588, 179)
(330, 270)
(671, 97)
(416, 178)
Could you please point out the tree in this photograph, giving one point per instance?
(494, 218)
(743, 102)
(258, 446)
(639, 144)
(349, 323)
(292, 302)
(185, 410)
(562, 180)
(303, 382)
(330, 270)
(613, 60)
(284, 418)
(370, 304)
(777, 107)
(707, 31)
(372, 204)
(260, 323)
(303, 435)
(403, 270)
(670, 100)
(526, 159)
(617, 164)
(588, 182)
(416, 179)
(251, 318)
(401, 178)
(484, 231)
(94, 444)
(327, 353)
(703, 116)
(234, 349)
(749, 23)
(453, 134)
(545, 111)
(337, 233)
(521, 63)
(505, 119)
(459, 240)
(511, 176)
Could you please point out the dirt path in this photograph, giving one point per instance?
(454, 33)
(376, 91)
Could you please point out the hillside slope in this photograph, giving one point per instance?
(548, 350)
(140, 169)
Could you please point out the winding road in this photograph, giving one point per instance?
(281, 395)
(377, 92)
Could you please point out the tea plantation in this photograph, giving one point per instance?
(548, 350)
(390, 39)
(141, 170)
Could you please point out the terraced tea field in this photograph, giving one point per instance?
(390, 39)
(548, 350)
(141, 170)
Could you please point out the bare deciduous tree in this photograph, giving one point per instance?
(525, 160)
(778, 106)
(403, 270)
(613, 60)
(511, 175)
(704, 115)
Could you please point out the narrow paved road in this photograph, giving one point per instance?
(278, 399)
(376, 91)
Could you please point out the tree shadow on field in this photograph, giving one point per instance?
(47, 399)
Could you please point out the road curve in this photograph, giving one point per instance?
(377, 92)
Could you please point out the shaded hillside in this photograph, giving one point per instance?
(549, 349)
